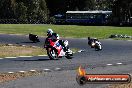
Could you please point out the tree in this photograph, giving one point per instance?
(6, 9)
(88, 5)
(104, 4)
(81, 5)
(122, 11)
(21, 12)
(57, 6)
(43, 13)
(26, 10)
(37, 11)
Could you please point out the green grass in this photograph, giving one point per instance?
(8, 51)
(74, 31)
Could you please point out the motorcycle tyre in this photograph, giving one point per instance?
(49, 50)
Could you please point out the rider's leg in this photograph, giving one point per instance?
(63, 45)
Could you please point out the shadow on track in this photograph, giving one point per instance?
(34, 60)
(28, 42)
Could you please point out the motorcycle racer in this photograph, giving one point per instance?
(55, 37)
(90, 40)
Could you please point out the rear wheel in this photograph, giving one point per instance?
(52, 53)
(69, 56)
(98, 47)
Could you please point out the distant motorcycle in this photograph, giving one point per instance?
(33, 38)
(56, 51)
(94, 43)
(97, 45)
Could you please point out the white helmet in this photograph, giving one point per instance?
(49, 31)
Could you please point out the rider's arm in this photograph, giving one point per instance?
(57, 36)
(46, 41)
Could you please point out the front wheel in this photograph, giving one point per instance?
(52, 53)
(69, 55)
(98, 47)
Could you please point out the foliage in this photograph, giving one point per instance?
(24, 10)
(75, 31)
(40, 11)
(122, 10)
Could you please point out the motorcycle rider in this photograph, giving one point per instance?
(90, 40)
(55, 37)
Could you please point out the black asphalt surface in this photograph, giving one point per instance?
(93, 61)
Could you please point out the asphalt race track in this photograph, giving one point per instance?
(114, 58)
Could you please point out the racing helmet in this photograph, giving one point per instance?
(49, 32)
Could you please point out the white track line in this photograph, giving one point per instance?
(42, 55)
(109, 64)
(22, 71)
(10, 72)
(118, 63)
(32, 70)
(25, 56)
(57, 69)
(46, 70)
(23, 45)
(10, 44)
(10, 57)
(81, 51)
(34, 46)
(22, 56)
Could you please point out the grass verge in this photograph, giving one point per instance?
(74, 31)
(17, 50)
(5, 77)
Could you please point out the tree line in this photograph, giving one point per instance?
(24, 10)
(40, 11)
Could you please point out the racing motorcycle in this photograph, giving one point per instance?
(97, 45)
(55, 50)
(33, 37)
